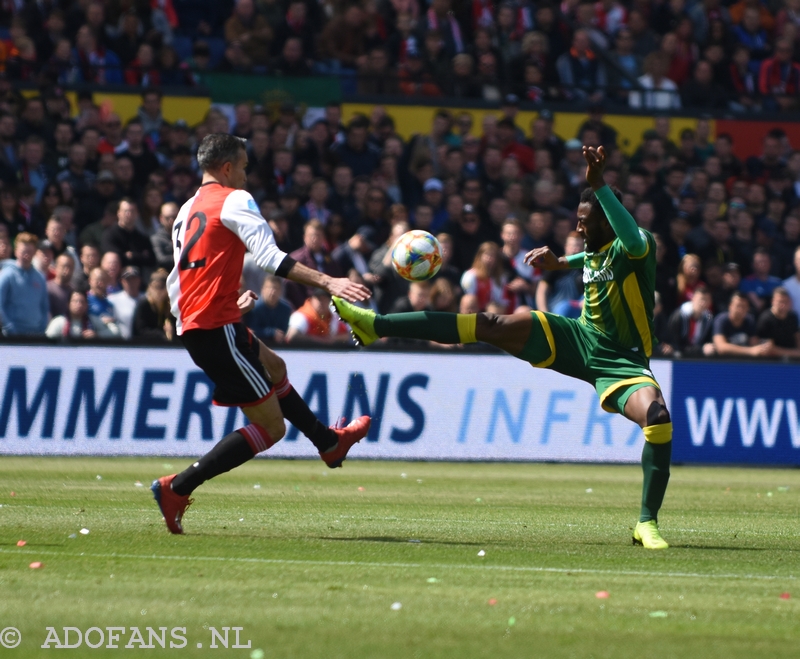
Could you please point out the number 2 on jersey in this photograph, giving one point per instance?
(185, 263)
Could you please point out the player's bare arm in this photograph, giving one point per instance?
(339, 286)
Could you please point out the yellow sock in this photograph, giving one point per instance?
(467, 322)
(658, 434)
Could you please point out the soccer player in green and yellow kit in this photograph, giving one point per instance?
(609, 346)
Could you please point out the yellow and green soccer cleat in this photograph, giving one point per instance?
(647, 535)
(361, 321)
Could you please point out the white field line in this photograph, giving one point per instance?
(415, 566)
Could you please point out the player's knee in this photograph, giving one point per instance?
(279, 369)
(276, 429)
(488, 324)
(657, 414)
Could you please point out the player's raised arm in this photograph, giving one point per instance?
(618, 216)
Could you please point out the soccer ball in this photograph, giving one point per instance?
(417, 256)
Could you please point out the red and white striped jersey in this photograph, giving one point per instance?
(209, 238)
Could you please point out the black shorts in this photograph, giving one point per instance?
(229, 356)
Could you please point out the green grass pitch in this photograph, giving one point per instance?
(309, 562)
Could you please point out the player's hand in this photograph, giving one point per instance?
(279, 336)
(543, 257)
(88, 334)
(595, 166)
(246, 301)
(348, 290)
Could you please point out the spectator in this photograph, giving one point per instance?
(690, 327)
(689, 271)
(520, 287)
(251, 31)
(125, 300)
(60, 288)
(561, 291)
(485, 279)
(88, 261)
(751, 33)
(314, 255)
(143, 70)
(97, 296)
(123, 238)
(443, 296)
(313, 322)
(92, 206)
(742, 80)
(352, 256)
(702, 91)
(79, 178)
(292, 61)
(779, 78)
(418, 298)
(43, 260)
(735, 329)
(33, 171)
(112, 266)
(143, 160)
(97, 64)
(342, 42)
(78, 323)
(660, 93)
(161, 240)
(152, 319)
(151, 116)
(792, 284)
(778, 325)
(24, 306)
(356, 152)
(295, 25)
(269, 319)
(581, 73)
(759, 286)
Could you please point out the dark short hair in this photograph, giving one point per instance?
(588, 196)
(740, 295)
(217, 149)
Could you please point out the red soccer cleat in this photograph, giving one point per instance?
(351, 434)
(172, 505)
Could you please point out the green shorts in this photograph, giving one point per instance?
(568, 346)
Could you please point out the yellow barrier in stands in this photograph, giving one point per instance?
(410, 119)
(191, 109)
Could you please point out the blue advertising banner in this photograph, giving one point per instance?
(425, 406)
(736, 413)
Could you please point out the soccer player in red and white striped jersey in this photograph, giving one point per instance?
(210, 236)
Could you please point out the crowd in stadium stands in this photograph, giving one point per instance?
(649, 54)
(87, 206)
(87, 203)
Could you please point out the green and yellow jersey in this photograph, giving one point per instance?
(619, 281)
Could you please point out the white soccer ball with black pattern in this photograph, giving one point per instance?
(417, 255)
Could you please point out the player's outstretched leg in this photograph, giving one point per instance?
(647, 407)
(332, 443)
(508, 332)
(172, 492)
